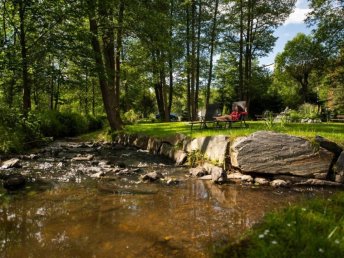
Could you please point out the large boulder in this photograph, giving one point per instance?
(14, 181)
(141, 142)
(179, 156)
(328, 145)
(215, 148)
(11, 163)
(276, 153)
(339, 169)
(153, 145)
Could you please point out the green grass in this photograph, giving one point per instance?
(331, 131)
(312, 229)
(99, 135)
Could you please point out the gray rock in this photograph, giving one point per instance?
(235, 176)
(88, 157)
(215, 148)
(261, 181)
(247, 179)
(141, 142)
(152, 176)
(198, 171)
(11, 163)
(166, 150)
(339, 166)
(180, 157)
(172, 181)
(318, 182)
(14, 182)
(275, 153)
(97, 175)
(218, 175)
(153, 145)
(206, 177)
(278, 183)
(328, 145)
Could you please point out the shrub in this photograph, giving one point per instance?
(16, 131)
(309, 111)
(94, 122)
(56, 124)
(130, 117)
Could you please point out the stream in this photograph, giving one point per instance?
(88, 200)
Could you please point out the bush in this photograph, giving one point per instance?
(130, 117)
(64, 124)
(16, 131)
(94, 122)
(309, 111)
(56, 124)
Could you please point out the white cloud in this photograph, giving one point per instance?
(298, 16)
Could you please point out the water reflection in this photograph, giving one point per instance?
(82, 220)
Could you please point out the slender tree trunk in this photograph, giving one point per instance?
(86, 91)
(107, 91)
(25, 75)
(93, 98)
(212, 47)
(188, 77)
(52, 92)
(247, 52)
(164, 92)
(241, 52)
(193, 60)
(118, 59)
(57, 93)
(198, 66)
(170, 61)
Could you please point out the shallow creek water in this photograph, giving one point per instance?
(65, 211)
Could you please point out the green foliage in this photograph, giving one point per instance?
(308, 110)
(16, 131)
(311, 229)
(130, 117)
(56, 124)
(301, 56)
(268, 119)
(195, 158)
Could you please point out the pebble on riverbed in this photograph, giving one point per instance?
(152, 176)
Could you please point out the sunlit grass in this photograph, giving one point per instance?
(310, 229)
(99, 135)
(331, 131)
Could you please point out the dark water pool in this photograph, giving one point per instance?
(122, 217)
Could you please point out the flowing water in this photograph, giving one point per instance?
(67, 211)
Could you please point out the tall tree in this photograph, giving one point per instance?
(101, 20)
(300, 57)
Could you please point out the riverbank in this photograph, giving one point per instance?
(310, 229)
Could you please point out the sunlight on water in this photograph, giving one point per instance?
(131, 219)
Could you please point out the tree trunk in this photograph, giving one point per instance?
(198, 66)
(188, 77)
(241, 53)
(247, 52)
(170, 61)
(107, 91)
(118, 60)
(193, 61)
(212, 46)
(25, 76)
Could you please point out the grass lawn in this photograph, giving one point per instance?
(331, 131)
(311, 229)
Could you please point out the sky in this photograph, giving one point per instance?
(293, 25)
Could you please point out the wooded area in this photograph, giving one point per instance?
(139, 58)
